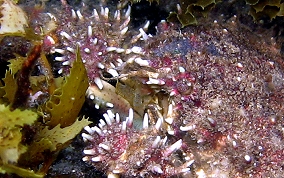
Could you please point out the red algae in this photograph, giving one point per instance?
(118, 149)
(223, 88)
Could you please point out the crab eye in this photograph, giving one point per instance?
(184, 87)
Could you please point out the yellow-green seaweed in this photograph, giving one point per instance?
(65, 103)
(190, 9)
(11, 124)
(10, 86)
(270, 8)
(8, 168)
(52, 139)
(16, 64)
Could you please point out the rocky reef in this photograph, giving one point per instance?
(195, 101)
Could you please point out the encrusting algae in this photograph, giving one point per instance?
(187, 101)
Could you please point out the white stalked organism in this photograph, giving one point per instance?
(104, 38)
(117, 148)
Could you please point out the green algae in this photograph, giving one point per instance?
(190, 10)
(67, 100)
(11, 124)
(260, 9)
(50, 134)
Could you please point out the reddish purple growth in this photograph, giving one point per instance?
(224, 93)
(100, 36)
(215, 95)
(117, 148)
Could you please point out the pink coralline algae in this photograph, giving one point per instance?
(117, 148)
(103, 38)
(225, 91)
(213, 96)
(228, 98)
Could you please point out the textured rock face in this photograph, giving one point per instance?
(217, 87)
(211, 95)
(226, 86)
(233, 116)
